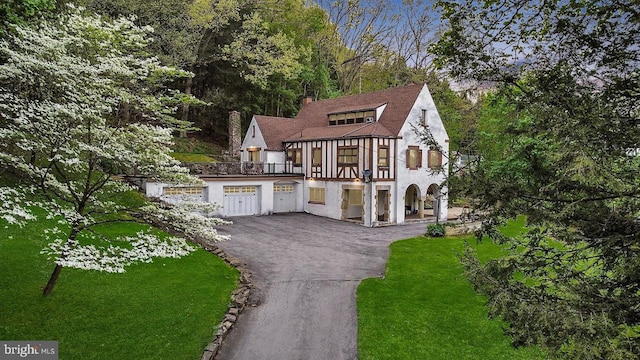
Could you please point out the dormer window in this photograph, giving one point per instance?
(352, 117)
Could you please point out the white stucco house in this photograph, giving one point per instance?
(354, 158)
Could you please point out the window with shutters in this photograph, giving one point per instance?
(414, 157)
(434, 159)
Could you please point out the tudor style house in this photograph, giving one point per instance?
(356, 158)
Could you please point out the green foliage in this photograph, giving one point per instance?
(21, 11)
(459, 115)
(81, 102)
(559, 144)
(435, 230)
(244, 58)
(579, 190)
(265, 57)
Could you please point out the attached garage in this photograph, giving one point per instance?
(238, 195)
(241, 200)
(284, 198)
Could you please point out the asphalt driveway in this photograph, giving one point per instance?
(306, 270)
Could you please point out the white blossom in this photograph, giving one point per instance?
(192, 218)
(63, 88)
(111, 258)
(12, 209)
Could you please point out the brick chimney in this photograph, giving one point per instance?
(235, 137)
(307, 100)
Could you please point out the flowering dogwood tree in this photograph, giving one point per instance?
(80, 103)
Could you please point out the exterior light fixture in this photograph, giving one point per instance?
(366, 175)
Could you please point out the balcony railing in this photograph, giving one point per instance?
(263, 168)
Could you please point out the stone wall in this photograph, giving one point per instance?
(240, 298)
(216, 168)
(235, 133)
(463, 228)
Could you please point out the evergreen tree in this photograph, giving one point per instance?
(559, 144)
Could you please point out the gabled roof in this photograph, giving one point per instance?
(312, 120)
(275, 129)
(398, 100)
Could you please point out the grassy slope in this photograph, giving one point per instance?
(193, 158)
(195, 149)
(165, 310)
(425, 308)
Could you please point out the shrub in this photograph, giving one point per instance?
(435, 230)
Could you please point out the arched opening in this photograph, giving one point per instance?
(412, 202)
(432, 202)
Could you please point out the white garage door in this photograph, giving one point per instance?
(241, 200)
(284, 199)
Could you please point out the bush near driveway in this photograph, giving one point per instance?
(435, 230)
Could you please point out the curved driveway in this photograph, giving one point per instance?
(305, 270)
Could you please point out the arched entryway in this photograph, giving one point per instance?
(412, 202)
(432, 201)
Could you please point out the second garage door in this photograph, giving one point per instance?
(284, 198)
(241, 200)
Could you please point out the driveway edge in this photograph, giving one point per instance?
(239, 299)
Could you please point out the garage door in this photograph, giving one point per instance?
(284, 198)
(241, 200)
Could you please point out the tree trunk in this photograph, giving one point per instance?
(56, 271)
(185, 107)
(52, 280)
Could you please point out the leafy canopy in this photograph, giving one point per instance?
(559, 143)
(81, 102)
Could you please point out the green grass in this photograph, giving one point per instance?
(196, 158)
(195, 145)
(168, 309)
(424, 308)
(194, 149)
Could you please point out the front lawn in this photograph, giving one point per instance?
(424, 308)
(168, 309)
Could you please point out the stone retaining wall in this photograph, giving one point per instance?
(215, 168)
(239, 299)
(463, 228)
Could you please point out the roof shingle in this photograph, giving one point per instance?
(312, 121)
